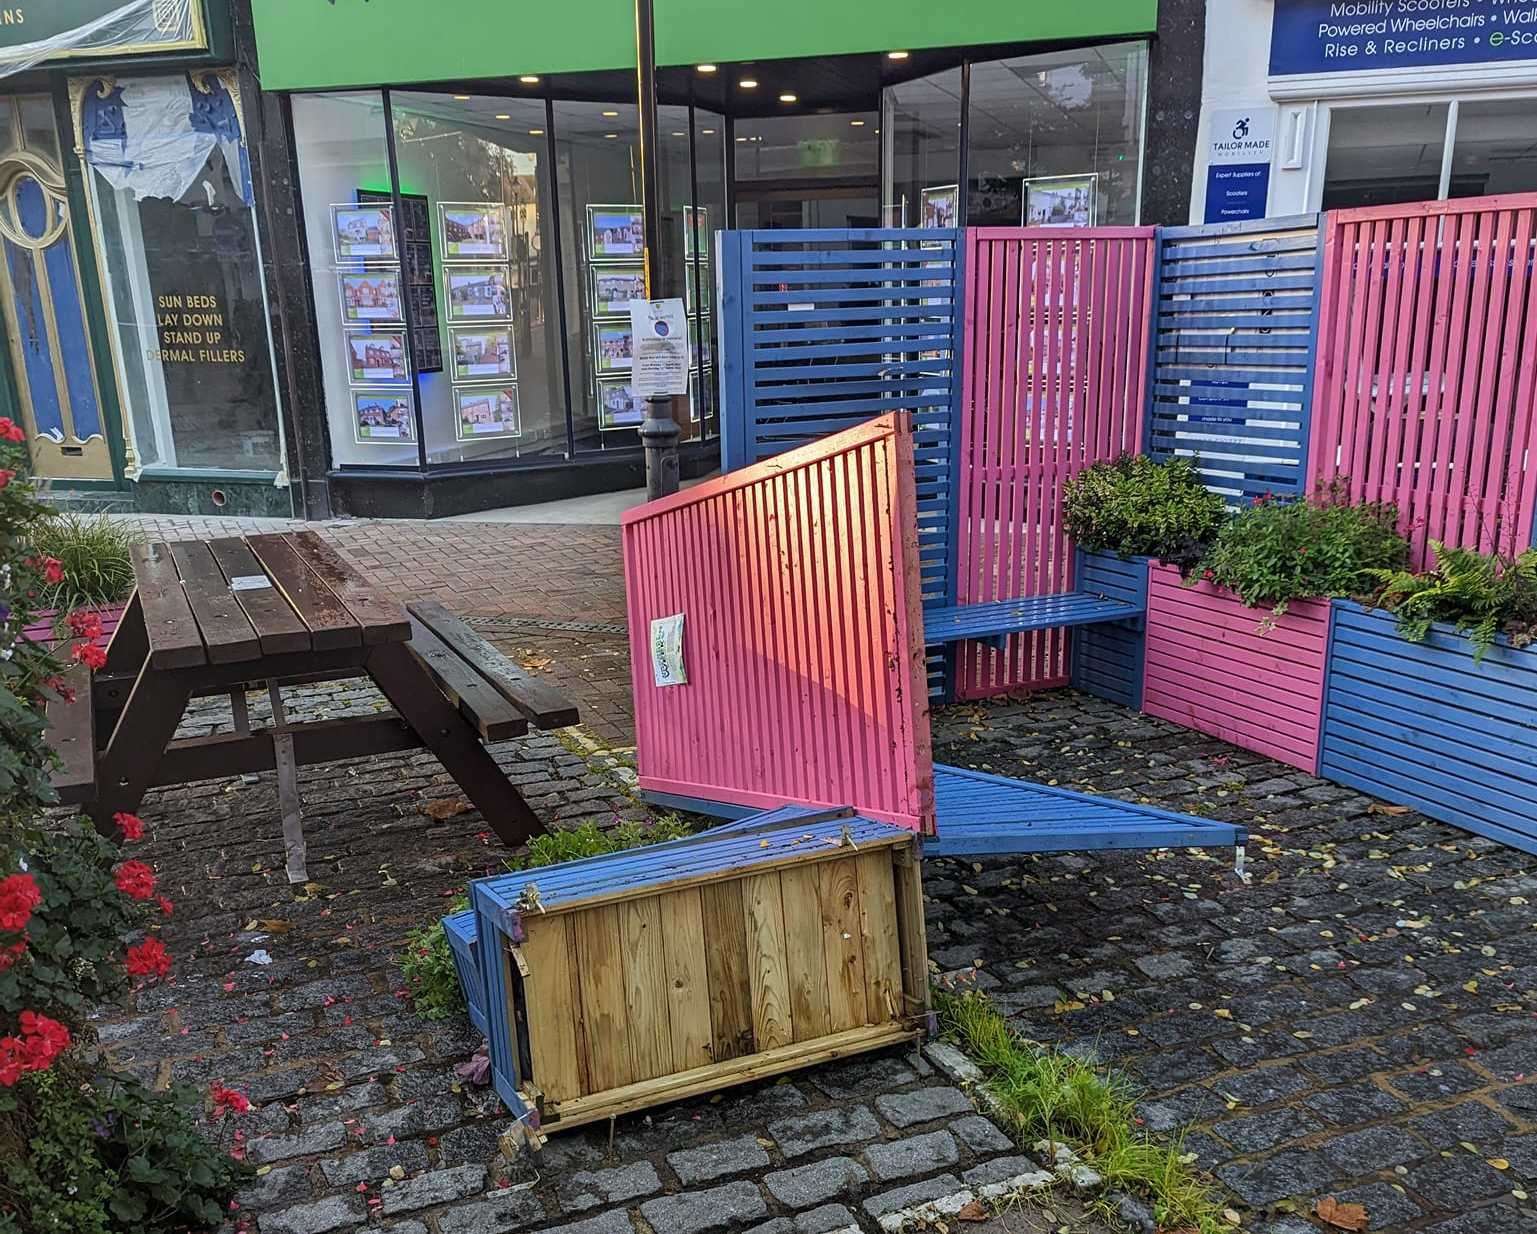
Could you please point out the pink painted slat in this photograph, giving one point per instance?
(1219, 676)
(1065, 316)
(824, 697)
(1425, 383)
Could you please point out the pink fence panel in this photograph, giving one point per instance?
(1212, 667)
(802, 635)
(1055, 378)
(1426, 385)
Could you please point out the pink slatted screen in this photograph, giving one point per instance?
(1233, 672)
(1426, 386)
(1055, 379)
(803, 633)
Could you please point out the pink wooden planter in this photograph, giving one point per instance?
(41, 630)
(1211, 669)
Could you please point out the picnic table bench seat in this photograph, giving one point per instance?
(244, 613)
(993, 622)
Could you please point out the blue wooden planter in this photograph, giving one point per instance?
(1108, 659)
(1422, 725)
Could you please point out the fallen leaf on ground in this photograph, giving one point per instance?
(1379, 807)
(974, 1211)
(445, 807)
(1340, 1215)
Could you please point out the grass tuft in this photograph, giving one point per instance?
(1047, 1094)
(94, 553)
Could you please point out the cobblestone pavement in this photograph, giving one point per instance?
(1357, 1022)
(294, 996)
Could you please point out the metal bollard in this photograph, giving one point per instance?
(659, 433)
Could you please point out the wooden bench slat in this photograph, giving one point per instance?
(277, 626)
(220, 620)
(174, 641)
(330, 624)
(492, 715)
(382, 619)
(72, 734)
(542, 703)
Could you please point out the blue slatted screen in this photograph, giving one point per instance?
(822, 329)
(1235, 333)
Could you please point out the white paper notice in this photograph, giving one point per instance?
(660, 331)
(667, 649)
(249, 582)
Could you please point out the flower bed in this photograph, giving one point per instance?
(1424, 725)
(1211, 668)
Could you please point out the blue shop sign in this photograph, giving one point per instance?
(1342, 36)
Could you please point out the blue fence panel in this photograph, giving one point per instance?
(1234, 340)
(1108, 660)
(824, 328)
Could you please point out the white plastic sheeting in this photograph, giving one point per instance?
(158, 151)
(135, 23)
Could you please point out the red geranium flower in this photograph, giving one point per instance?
(227, 1100)
(85, 623)
(9, 955)
(135, 880)
(166, 906)
(89, 654)
(18, 897)
(42, 1040)
(131, 825)
(53, 570)
(148, 959)
(6, 476)
(10, 430)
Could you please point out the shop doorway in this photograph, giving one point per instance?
(53, 367)
(819, 170)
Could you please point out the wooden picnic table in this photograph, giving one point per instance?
(230, 615)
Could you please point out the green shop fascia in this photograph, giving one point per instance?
(467, 177)
(138, 349)
(391, 278)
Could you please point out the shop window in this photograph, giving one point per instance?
(1056, 139)
(357, 275)
(1495, 148)
(602, 235)
(703, 262)
(808, 171)
(1383, 155)
(170, 182)
(921, 136)
(479, 273)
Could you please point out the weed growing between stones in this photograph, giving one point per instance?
(1045, 1093)
(427, 964)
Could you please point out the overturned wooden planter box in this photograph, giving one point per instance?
(1234, 672)
(649, 976)
(1424, 725)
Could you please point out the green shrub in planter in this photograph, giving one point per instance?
(1140, 507)
(1274, 552)
(1482, 594)
(94, 553)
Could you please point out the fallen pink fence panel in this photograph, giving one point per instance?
(1210, 668)
(1055, 378)
(797, 579)
(1426, 385)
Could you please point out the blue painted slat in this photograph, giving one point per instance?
(997, 618)
(831, 327)
(1426, 726)
(1211, 295)
(459, 928)
(980, 814)
(1107, 660)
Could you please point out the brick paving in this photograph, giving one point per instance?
(1357, 1021)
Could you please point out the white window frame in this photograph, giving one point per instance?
(1318, 165)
